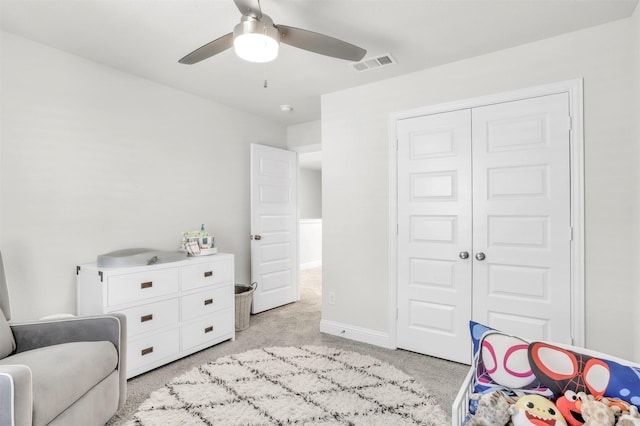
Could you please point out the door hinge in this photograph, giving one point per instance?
(569, 123)
(571, 233)
(397, 229)
(397, 145)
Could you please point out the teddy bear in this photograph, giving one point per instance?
(492, 410)
(597, 413)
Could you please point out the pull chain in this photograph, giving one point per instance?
(265, 64)
(265, 75)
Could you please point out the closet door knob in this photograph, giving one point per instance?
(463, 255)
(480, 256)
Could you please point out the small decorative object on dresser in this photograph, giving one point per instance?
(173, 309)
(198, 243)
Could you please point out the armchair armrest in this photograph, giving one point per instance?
(38, 334)
(15, 395)
(111, 327)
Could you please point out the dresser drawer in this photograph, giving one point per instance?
(152, 316)
(207, 329)
(152, 348)
(204, 274)
(142, 285)
(206, 302)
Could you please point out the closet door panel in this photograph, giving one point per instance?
(521, 217)
(434, 211)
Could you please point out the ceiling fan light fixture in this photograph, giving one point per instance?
(256, 40)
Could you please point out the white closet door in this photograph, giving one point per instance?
(521, 221)
(434, 227)
(493, 182)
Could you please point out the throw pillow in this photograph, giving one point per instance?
(562, 370)
(501, 362)
(624, 383)
(505, 360)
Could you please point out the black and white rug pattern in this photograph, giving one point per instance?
(309, 385)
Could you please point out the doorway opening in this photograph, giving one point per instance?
(310, 211)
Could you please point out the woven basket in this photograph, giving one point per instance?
(244, 298)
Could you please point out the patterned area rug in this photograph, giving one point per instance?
(307, 385)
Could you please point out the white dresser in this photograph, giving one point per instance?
(173, 309)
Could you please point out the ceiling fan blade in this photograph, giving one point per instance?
(208, 50)
(320, 43)
(249, 7)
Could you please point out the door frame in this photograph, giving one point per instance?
(575, 90)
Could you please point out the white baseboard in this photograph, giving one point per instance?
(311, 265)
(359, 334)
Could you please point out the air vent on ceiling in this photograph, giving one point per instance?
(375, 62)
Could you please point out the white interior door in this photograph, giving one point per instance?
(522, 217)
(434, 233)
(274, 227)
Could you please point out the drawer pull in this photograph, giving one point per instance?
(208, 274)
(208, 302)
(208, 329)
(146, 351)
(148, 284)
(146, 318)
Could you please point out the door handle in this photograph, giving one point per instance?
(480, 256)
(463, 255)
(256, 237)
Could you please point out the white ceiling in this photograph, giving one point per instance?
(147, 37)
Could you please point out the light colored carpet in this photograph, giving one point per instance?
(298, 324)
(309, 385)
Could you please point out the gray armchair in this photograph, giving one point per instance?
(60, 372)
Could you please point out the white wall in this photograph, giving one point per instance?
(310, 193)
(308, 133)
(636, 210)
(355, 172)
(94, 160)
(310, 243)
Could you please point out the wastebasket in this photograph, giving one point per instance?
(244, 298)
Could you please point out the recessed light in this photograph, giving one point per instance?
(286, 108)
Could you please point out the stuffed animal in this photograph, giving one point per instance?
(535, 410)
(493, 410)
(619, 406)
(570, 406)
(597, 413)
(630, 419)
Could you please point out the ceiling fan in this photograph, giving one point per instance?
(256, 39)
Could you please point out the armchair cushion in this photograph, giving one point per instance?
(7, 342)
(62, 373)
